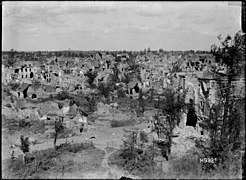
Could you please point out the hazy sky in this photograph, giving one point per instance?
(117, 25)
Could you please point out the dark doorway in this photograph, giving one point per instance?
(31, 75)
(136, 88)
(191, 116)
(25, 93)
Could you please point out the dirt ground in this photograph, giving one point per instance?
(101, 136)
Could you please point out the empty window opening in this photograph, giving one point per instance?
(31, 75)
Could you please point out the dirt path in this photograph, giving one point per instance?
(111, 172)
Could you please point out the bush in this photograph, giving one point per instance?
(37, 127)
(133, 161)
(121, 123)
(24, 144)
(143, 137)
(121, 93)
(24, 124)
(62, 96)
(74, 148)
(41, 161)
(187, 165)
(8, 105)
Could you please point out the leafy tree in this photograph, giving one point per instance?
(116, 73)
(161, 50)
(134, 69)
(151, 93)
(63, 95)
(121, 93)
(171, 104)
(11, 60)
(24, 144)
(59, 54)
(225, 119)
(92, 102)
(141, 102)
(91, 77)
(105, 89)
(117, 58)
(126, 79)
(58, 129)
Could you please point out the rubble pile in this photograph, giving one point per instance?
(103, 109)
(9, 113)
(184, 142)
(48, 108)
(31, 113)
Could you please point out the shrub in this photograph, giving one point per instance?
(24, 144)
(60, 105)
(121, 93)
(121, 123)
(37, 127)
(41, 161)
(143, 137)
(24, 124)
(8, 105)
(134, 161)
(62, 96)
(91, 77)
(186, 165)
(74, 148)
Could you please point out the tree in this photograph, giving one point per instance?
(91, 77)
(134, 69)
(116, 73)
(148, 50)
(105, 89)
(91, 102)
(151, 92)
(161, 50)
(24, 146)
(224, 124)
(171, 104)
(58, 129)
(11, 59)
(121, 92)
(126, 79)
(141, 102)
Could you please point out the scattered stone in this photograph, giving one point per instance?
(43, 118)
(9, 113)
(103, 109)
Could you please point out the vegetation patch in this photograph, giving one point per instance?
(41, 163)
(115, 123)
(134, 162)
(24, 125)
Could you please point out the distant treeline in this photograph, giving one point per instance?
(73, 53)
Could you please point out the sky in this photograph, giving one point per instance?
(119, 25)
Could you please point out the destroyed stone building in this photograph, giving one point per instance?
(188, 71)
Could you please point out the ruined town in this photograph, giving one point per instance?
(124, 114)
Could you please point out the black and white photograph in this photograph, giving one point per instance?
(123, 90)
